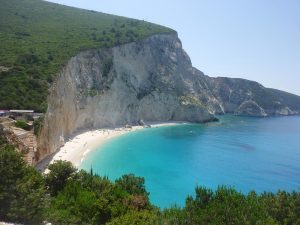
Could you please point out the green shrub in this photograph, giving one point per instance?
(136, 217)
(22, 191)
(37, 125)
(60, 173)
(23, 125)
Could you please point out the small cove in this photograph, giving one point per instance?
(260, 154)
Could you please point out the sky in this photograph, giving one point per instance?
(252, 39)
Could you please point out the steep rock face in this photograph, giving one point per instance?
(150, 80)
(250, 108)
(238, 94)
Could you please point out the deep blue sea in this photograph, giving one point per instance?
(261, 154)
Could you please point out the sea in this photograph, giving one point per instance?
(246, 153)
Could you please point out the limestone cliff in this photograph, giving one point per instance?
(244, 97)
(150, 80)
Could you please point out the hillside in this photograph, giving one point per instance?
(37, 38)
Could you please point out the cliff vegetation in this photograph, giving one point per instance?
(37, 38)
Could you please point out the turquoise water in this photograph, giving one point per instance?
(246, 153)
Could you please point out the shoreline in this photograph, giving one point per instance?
(77, 147)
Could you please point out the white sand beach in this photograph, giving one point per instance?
(76, 148)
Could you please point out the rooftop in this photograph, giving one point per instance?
(21, 111)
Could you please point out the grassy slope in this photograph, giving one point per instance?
(38, 37)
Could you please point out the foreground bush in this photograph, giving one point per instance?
(22, 192)
(67, 196)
